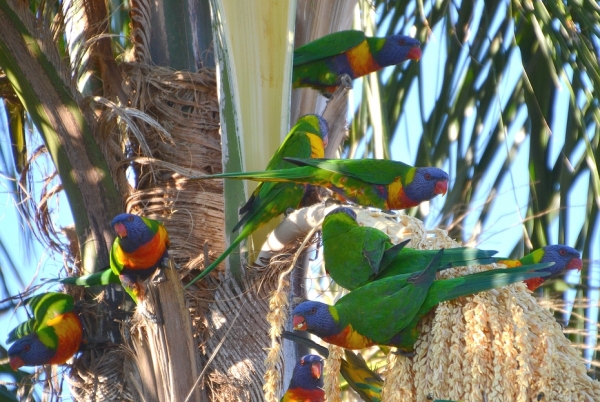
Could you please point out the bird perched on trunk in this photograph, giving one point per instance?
(137, 252)
(323, 63)
(355, 255)
(387, 311)
(52, 336)
(374, 183)
(306, 384)
(564, 258)
(307, 139)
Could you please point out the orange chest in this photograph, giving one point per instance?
(147, 255)
(350, 339)
(361, 60)
(70, 334)
(304, 395)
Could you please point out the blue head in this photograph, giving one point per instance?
(564, 258)
(308, 373)
(320, 125)
(132, 230)
(343, 210)
(427, 182)
(315, 317)
(396, 49)
(29, 351)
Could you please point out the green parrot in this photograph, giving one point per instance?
(322, 63)
(307, 139)
(374, 183)
(52, 336)
(387, 311)
(355, 255)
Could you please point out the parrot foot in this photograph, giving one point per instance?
(345, 82)
(159, 277)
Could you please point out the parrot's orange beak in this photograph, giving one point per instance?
(414, 53)
(16, 362)
(315, 370)
(441, 187)
(575, 263)
(299, 323)
(120, 229)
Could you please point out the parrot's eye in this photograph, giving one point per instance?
(402, 42)
(27, 347)
(313, 310)
(562, 252)
(302, 362)
(130, 219)
(427, 176)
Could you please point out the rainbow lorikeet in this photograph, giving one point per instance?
(355, 255)
(375, 183)
(563, 257)
(306, 384)
(387, 311)
(138, 250)
(322, 63)
(52, 336)
(367, 383)
(307, 139)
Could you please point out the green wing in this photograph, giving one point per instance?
(48, 305)
(381, 309)
(21, 330)
(411, 260)
(448, 289)
(352, 253)
(297, 143)
(327, 46)
(45, 307)
(115, 265)
(375, 171)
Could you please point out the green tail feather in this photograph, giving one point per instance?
(449, 289)
(96, 279)
(299, 175)
(463, 256)
(367, 383)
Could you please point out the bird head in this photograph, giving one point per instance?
(564, 257)
(29, 351)
(426, 183)
(308, 373)
(315, 317)
(396, 49)
(342, 210)
(319, 125)
(132, 230)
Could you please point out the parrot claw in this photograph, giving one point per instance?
(159, 277)
(345, 82)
